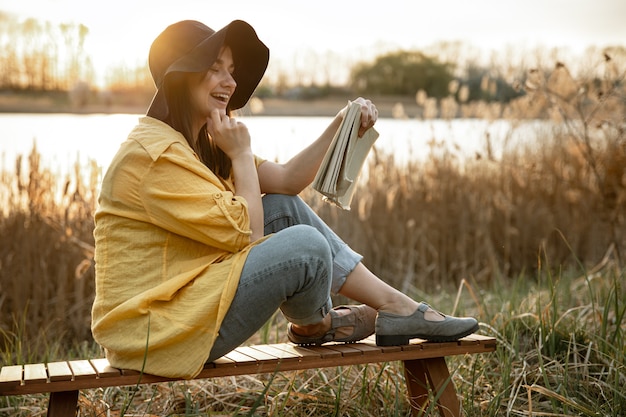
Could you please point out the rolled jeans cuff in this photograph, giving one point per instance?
(343, 264)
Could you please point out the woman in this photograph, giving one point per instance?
(199, 242)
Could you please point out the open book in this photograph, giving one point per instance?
(336, 179)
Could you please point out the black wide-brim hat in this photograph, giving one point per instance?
(191, 46)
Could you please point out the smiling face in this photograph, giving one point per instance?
(214, 89)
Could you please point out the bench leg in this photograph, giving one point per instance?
(421, 374)
(63, 404)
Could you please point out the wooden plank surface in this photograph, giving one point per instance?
(302, 352)
(371, 341)
(240, 358)
(222, 362)
(59, 371)
(345, 349)
(82, 369)
(11, 375)
(278, 353)
(244, 360)
(260, 355)
(324, 352)
(104, 369)
(35, 373)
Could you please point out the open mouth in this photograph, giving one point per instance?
(222, 97)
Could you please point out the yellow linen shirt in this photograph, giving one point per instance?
(171, 240)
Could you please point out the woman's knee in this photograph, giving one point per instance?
(306, 240)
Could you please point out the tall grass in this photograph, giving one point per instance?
(46, 252)
(443, 220)
(531, 243)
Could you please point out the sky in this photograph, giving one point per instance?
(122, 30)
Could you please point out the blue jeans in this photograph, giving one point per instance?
(296, 270)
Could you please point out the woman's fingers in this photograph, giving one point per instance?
(229, 134)
(369, 114)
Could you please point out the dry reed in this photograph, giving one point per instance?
(46, 253)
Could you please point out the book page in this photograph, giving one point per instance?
(340, 168)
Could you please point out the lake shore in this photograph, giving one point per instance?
(324, 107)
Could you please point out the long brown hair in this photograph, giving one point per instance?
(177, 89)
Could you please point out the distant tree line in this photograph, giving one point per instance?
(42, 57)
(36, 56)
(404, 73)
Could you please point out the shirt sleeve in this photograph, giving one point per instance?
(181, 195)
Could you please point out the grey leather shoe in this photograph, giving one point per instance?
(392, 329)
(361, 318)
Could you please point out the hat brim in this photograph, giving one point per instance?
(250, 56)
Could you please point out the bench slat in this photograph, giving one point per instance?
(479, 337)
(417, 345)
(59, 371)
(370, 341)
(367, 349)
(35, 373)
(104, 369)
(10, 376)
(465, 341)
(346, 349)
(222, 362)
(82, 369)
(484, 340)
(322, 351)
(277, 352)
(240, 358)
(304, 353)
(260, 355)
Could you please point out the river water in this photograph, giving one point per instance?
(62, 140)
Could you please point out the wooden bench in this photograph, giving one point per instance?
(425, 370)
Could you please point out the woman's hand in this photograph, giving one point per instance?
(229, 134)
(369, 114)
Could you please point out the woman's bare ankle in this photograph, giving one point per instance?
(401, 306)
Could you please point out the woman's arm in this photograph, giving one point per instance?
(247, 186)
(296, 174)
(233, 138)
